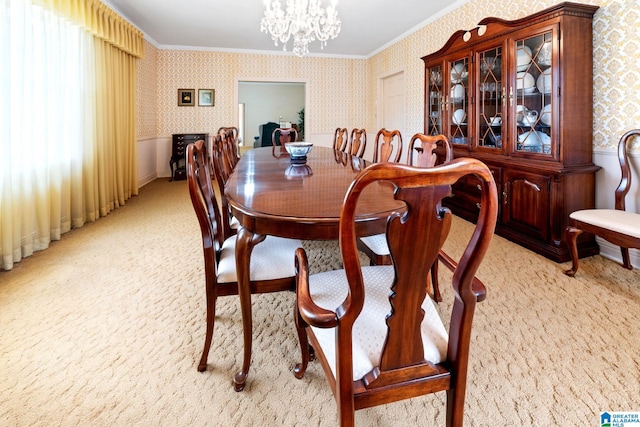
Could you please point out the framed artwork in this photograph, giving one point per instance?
(206, 97)
(186, 97)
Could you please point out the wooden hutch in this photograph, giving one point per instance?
(518, 95)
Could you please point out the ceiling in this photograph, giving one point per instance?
(368, 26)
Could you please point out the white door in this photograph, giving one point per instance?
(392, 113)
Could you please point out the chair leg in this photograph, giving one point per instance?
(346, 409)
(211, 315)
(437, 297)
(455, 408)
(626, 262)
(571, 236)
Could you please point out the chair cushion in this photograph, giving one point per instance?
(622, 222)
(329, 289)
(377, 243)
(272, 258)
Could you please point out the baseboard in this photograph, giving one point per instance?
(144, 180)
(612, 252)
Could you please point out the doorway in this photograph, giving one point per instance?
(266, 101)
(392, 109)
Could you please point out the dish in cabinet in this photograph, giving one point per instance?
(523, 57)
(544, 81)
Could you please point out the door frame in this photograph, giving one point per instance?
(380, 100)
(236, 91)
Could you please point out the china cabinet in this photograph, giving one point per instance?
(518, 95)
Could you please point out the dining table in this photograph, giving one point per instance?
(270, 194)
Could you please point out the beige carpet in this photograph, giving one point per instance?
(106, 327)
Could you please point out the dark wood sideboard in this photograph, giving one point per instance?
(518, 95)
(179, 144)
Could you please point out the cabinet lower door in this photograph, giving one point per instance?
(525, 203)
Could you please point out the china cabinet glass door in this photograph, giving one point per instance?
(435, 103)
(533, 95)
(457, 104)
(490, 95)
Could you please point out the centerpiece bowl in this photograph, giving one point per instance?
(298, 151)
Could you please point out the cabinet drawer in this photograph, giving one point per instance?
(466, 194)
(470, 185)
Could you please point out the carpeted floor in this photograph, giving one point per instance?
(106, 327)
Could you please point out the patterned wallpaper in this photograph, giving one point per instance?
(334, 85)
(343, 92)
(616, 57)
(147, 108)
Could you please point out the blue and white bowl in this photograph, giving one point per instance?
(298, 150)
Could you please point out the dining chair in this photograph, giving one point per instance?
(271, 266)
(377, 335)
(388, 143)
(357, 142)
(340, 139)
(230, 137)
(221, 158)
(617, 226)
(422, 153)
(220, 169)
(280, 136)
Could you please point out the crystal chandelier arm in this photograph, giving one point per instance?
(328, 26)
(305, 20)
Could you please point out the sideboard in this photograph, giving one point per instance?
(178, 151)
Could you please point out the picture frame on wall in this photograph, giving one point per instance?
(186, 97)
(206, 97)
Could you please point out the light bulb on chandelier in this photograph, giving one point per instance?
(305, 20)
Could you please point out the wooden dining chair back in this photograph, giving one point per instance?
(271, 266)
(340, 139)
(280, 136)
(422, 153)
(617, 226)
(220, 171)
(221, 158)
(422, 150)
(230, 138)
(357, 142)
(388, 146)
(377, 335)
(209, 215)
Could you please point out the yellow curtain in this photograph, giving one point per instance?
(103, 22)
(69, 69)
(117, 162)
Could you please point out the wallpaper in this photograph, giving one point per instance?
(343, 92)
(335, 86)
(147, 107)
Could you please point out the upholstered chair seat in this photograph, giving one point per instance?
(623, 222)
(377, 244)
(271, 259)
(329, 289)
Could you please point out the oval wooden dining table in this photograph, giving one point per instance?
(271, 196)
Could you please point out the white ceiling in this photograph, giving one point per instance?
(368, 26)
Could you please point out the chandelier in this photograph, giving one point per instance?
(305, 20)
